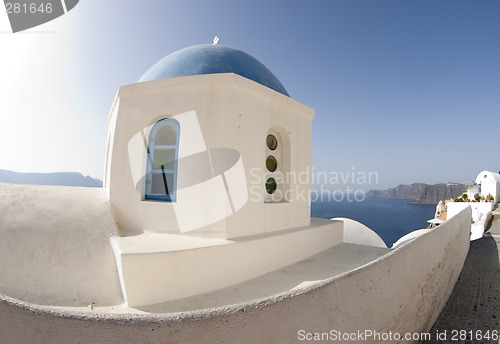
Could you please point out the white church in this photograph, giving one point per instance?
(202, 154)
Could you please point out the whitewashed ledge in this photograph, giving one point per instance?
(346, 288)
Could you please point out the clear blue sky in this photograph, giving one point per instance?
(407, 89)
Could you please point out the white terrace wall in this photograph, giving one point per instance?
(54, 246)
(404, 291)
(479, 209)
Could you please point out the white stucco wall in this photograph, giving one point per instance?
(403, 291)
(232, 112)
(479, 209)
(479, 227)
(54, 246)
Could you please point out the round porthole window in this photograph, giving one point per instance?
(271, 185)
(272, 142)
(271, 163)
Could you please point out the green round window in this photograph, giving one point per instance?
(271, 185)
(271, 163)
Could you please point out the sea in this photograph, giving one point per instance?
(389, 218)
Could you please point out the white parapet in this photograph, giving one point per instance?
(158, 267)
(54, 246)
(481, 215)
(479, 209)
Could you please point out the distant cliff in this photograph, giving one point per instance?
(56, 178)
(421, 193)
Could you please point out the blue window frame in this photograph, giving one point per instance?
(161, 170)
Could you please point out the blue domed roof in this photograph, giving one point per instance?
(212, 59)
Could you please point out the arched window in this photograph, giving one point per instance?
(161, 170)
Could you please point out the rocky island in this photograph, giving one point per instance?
(54, 178)
(420, 193)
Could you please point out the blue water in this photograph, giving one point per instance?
(389, 218)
